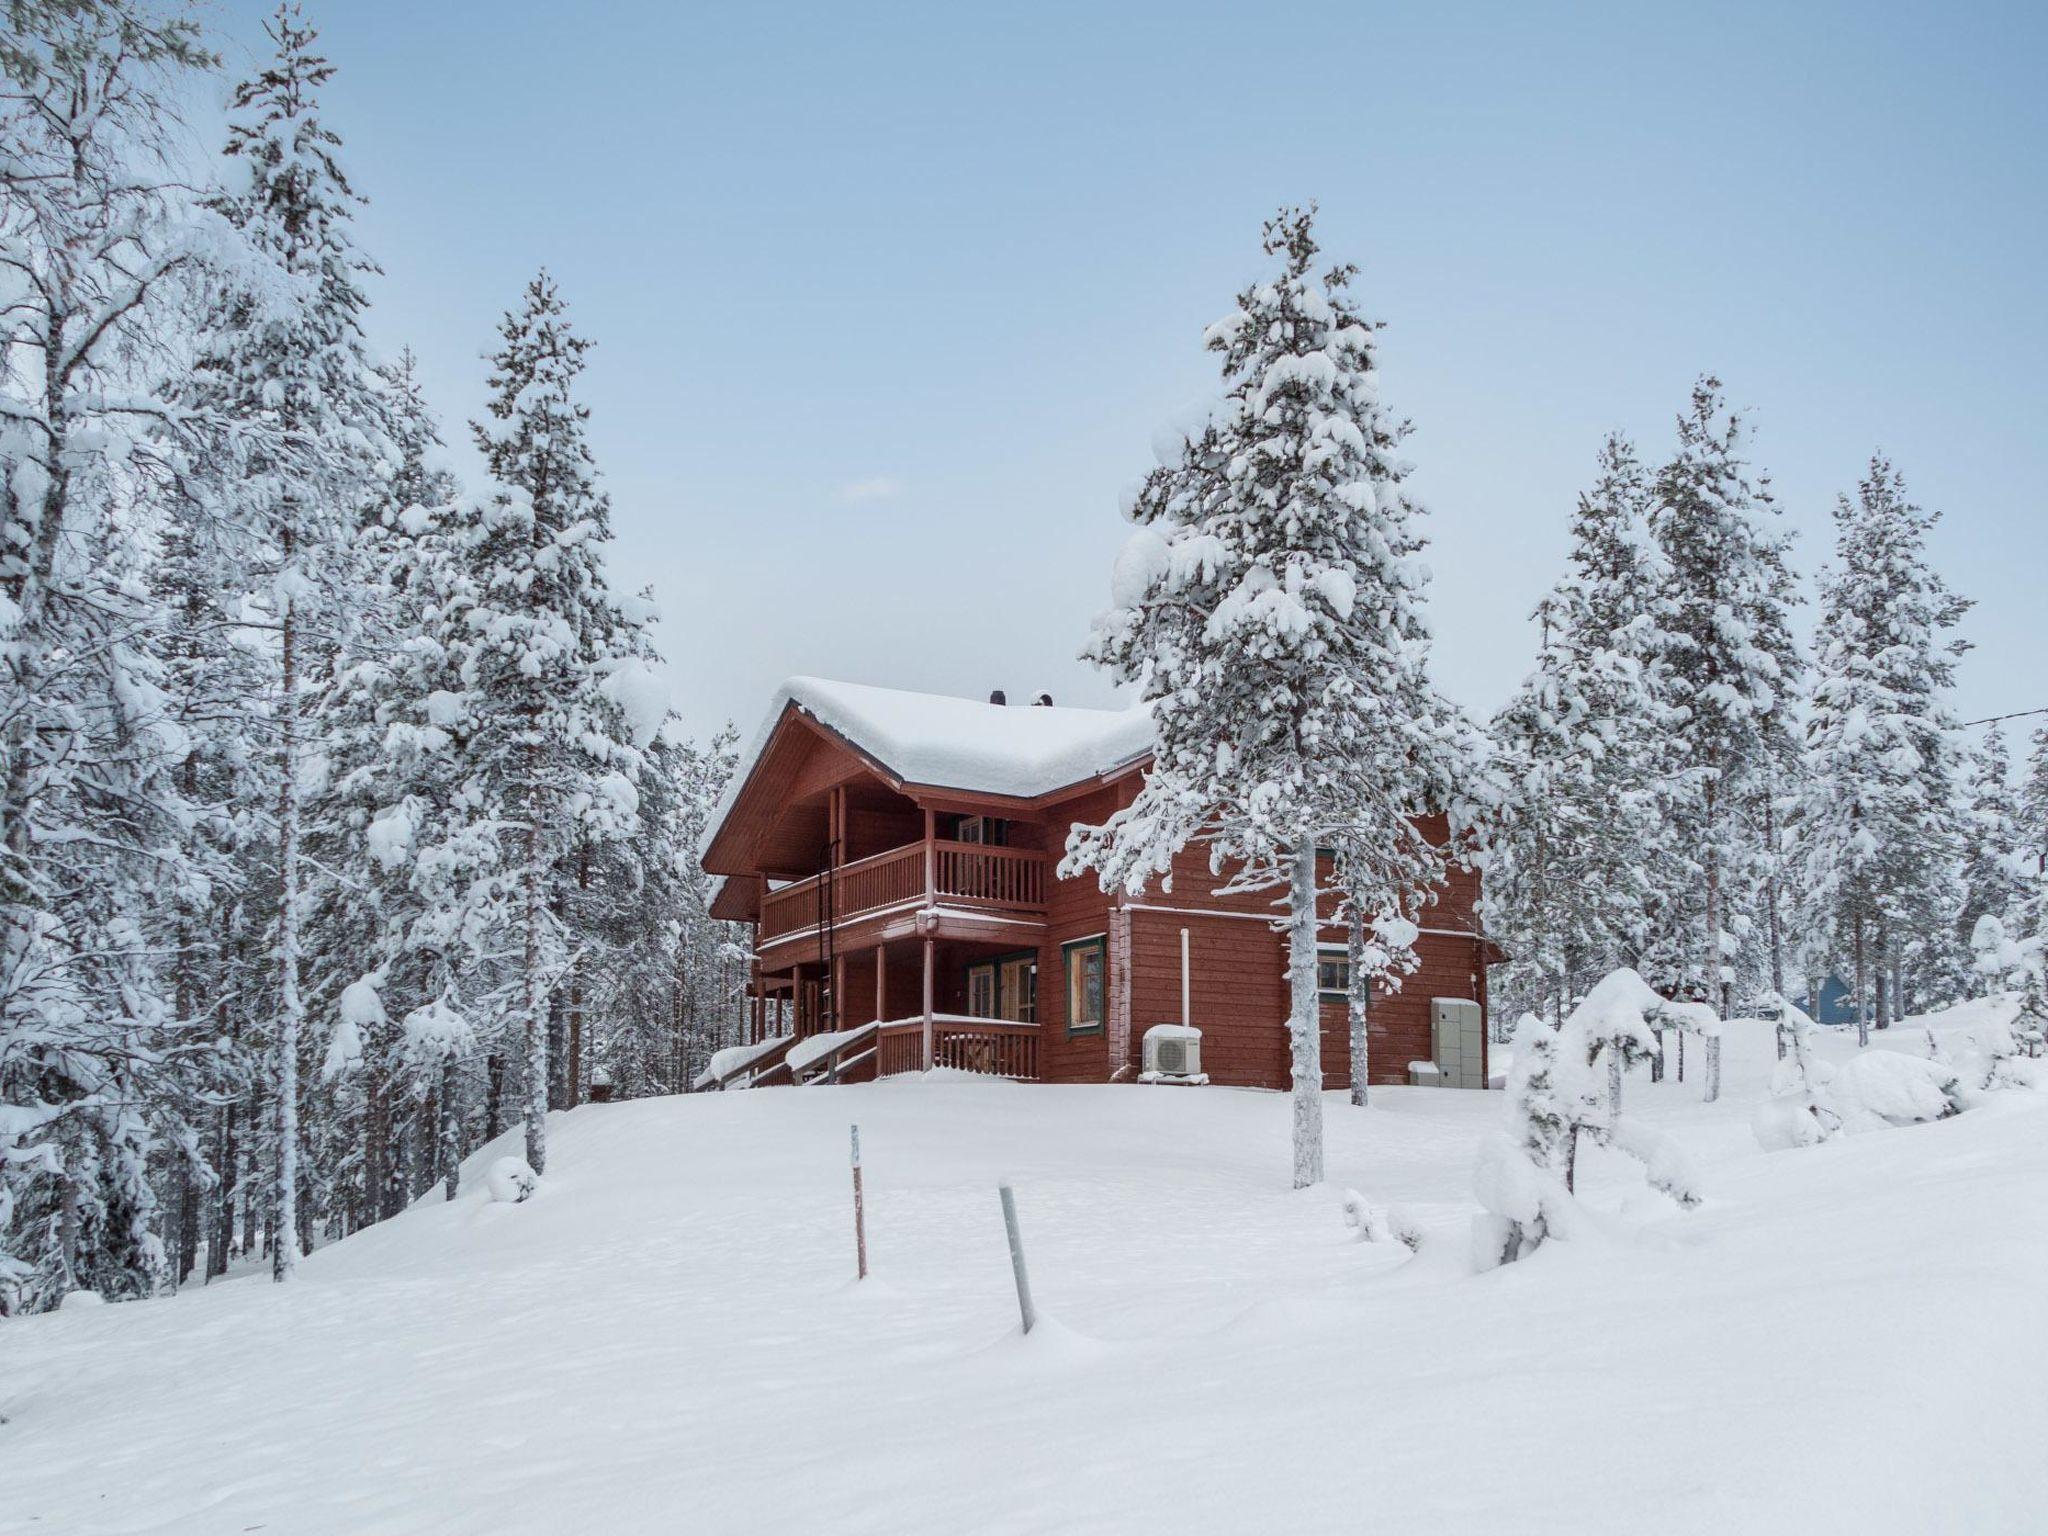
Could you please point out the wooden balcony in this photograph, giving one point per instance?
(973, 878)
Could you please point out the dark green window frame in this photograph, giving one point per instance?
(1070, 952)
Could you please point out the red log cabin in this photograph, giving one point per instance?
(896, 854)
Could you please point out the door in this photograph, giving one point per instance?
(981, 991)
(1017, 989)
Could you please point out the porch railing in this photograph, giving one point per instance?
(991, 1047)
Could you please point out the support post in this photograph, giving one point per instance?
(860, 1218)
(881, 982)
(1023, 1277)
(929, 961)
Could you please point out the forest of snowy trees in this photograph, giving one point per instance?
(1686, 793)
(344, 820)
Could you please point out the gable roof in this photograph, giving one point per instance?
(933, 741)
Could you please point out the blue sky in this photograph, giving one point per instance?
(889, 300)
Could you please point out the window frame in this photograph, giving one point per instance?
(1069, 950)
(1341, 953)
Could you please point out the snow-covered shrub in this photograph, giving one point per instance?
(510, 1181)
(1799, 1112)
(1880, 1088)
(1374, 1225)
(1566, 1084)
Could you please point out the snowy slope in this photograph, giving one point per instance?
(1851, 1337)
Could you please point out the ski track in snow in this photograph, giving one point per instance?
(668, 1338)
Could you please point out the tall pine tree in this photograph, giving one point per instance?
(1270, 610)
(1877, 827)
(555, 747)
(285, 349)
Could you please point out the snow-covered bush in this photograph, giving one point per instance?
(1799, 1112)
(1566, 1084)
(510, 1181)
(1880, 1088)
(1374, 1225)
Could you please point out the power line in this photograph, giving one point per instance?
(2018, 714)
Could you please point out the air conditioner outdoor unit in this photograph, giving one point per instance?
(1173, 1054)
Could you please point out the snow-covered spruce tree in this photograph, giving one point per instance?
(553, 752)
(387, 724)
(1270, 611)
(282, 349)
(1727, 669)
(1877, 827)
(1994, 881)
(2034, 804)
(1571, 881)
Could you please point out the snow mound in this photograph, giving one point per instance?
(511, 1182)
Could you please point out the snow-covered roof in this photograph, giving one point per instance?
(997, 749)
(931, 739)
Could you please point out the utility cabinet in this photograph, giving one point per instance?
(1457, 1038)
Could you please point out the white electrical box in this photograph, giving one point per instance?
(1457, 1042)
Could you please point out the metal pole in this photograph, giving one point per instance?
(860, 1215)
(1017, 1259)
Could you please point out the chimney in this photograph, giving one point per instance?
(1043, 701)
(997, 696)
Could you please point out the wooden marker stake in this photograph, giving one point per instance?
(1017, 1259)
(860, 1218)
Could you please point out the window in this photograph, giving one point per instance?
(1086, 962)
(1333, 974)
(989, 830)
(1004, 988)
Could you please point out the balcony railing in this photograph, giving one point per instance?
(973, 875)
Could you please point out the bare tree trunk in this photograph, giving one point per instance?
(450, 1153)
(291, 1008)
(1304, 1020)
(535, 1003)
(1773, 929)
(1862, 996)
(1882, 968)
(575, 1083)
(494, 1096)
(377, 1181)
(1358, 1008)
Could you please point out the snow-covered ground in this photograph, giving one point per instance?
(667, 1338)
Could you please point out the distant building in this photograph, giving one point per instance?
(1834, 1002)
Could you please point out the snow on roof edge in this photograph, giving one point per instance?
(1023, 751)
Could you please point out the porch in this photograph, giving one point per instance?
(905, 1006)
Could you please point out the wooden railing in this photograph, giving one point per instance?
(881, 880)
(987, 874)
(992, 1047)
(963, 874)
